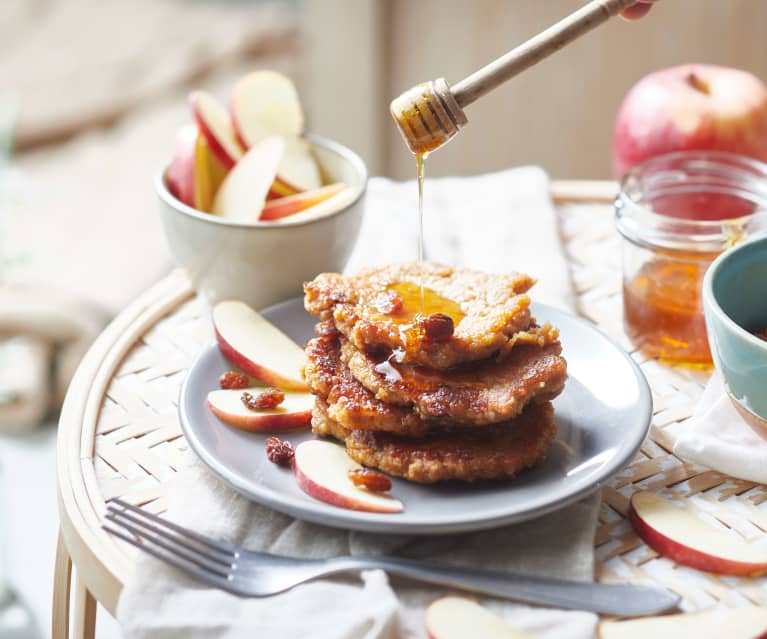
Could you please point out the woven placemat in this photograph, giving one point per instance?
(139, 448)
(593, 250)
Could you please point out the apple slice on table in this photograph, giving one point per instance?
(737, 623)
(181, 171)
(265, 103)
(242, 195)
(258, 347)
(215, 125)
(688, 540)
(321, 469)
(459, 618)
(293, 413)
(286, 206)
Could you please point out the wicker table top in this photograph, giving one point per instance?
(119, 433)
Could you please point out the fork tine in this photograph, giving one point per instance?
(117, 516)
(221, 546)
(149, 536)
(213, 555)
(172, 559)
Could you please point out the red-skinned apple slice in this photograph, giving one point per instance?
(286, 206)
(209, 175)
(241, 196)
(181, 171)
(459, 618)
(293, 413)
(298, 170)
(321, 469)
(258, 347)
(280, 189)
(265, 103)
(738, 623)
(688, 540)
(215, 125)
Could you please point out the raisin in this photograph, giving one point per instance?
(233, 381)
(437, 327)
(270, 398)
(762, 334)
(388, 303)
(279, 452)
(370, 479)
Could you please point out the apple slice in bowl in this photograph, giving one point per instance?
(214, 123)
(265, 103)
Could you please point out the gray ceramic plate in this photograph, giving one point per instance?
(602, 418)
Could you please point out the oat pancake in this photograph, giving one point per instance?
(478, 393)
(379, 310)
(495, 452)
(347, 401)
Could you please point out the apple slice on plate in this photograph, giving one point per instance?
(321, 469)
(688, 540)
(459, 618)
(214, 123)
(265, 103)
(242, 195)
(738, 623)
(258, 347)
(286, 206)
(293, 413)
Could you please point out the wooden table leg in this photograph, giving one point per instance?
(62, 577)
(84, 621)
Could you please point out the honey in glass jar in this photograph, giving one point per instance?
(676, 213)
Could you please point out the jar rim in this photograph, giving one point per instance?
(683, 172)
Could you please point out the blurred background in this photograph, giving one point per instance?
(93, 91)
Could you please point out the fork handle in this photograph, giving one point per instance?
(613, 599)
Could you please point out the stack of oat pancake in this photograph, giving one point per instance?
(452, 383)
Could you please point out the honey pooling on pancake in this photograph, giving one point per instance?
(407, 305)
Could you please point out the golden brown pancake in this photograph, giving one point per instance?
(349, 402)
(477, 393)
(381, 310)
(500, 451)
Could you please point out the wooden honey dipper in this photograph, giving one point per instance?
(430, 114)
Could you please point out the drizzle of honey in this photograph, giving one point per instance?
(421, 301)
(418, 302)
(420, 167)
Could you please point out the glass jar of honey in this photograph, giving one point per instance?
(676, 213)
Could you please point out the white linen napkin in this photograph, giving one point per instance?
(511, 225)
(718, 437)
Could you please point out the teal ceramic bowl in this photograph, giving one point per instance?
(735, 306)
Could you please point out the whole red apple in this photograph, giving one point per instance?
(691, 107)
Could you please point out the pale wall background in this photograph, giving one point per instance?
(558, 114)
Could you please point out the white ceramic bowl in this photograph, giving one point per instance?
(267, 262)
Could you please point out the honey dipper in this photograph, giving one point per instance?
(430, 114)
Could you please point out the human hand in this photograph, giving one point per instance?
(637, 10)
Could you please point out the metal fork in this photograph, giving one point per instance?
(257, 574)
